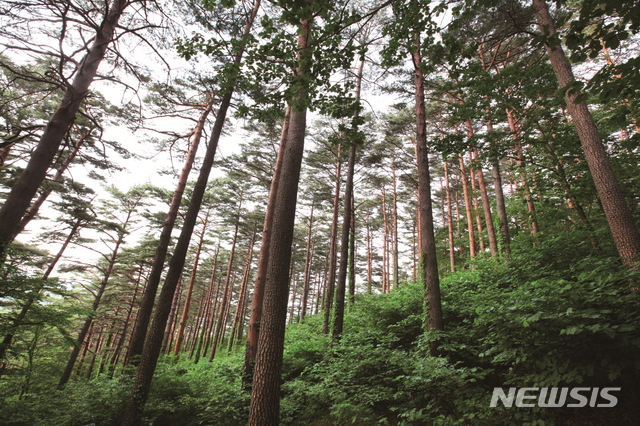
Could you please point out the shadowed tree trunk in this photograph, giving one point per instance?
(623, 227)
(151, 289)
(265, 393)
(428, 258)
(26, 186)
(149, 358)
(346, 225)
(338, 320)
(329, 288)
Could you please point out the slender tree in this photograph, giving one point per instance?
(25, 188)
(621, 222)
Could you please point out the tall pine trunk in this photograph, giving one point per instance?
(265, 393)
(428, 261)
(617, 212)
(151, 289)
(27, 184)
(329, 288)
(452, 251)
(149, 358)
(192, 281)
(346, 224)
(253, 330)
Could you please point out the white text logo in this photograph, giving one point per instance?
(555, 397)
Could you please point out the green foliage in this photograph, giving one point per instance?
(182, 393)
(553, 316)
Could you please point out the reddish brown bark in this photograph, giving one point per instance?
(428, 256)
(467, 206)
(192, 281)
(148, 297)
(263, 261)
(140, 390)
(619, 217)
(265, 395)
(25, 188)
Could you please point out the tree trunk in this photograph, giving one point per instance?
(513, 126)
(621, 222)
(307, 266)
(265, 394)
(228, 290)
(338, 320)
(428, 260)
(352, 253)
(486, 206)
(240, 310)
(149, 358)
(25, 188)
(151, 289)
(452, 252)
(467, 206)
(474, 198)
(258, 289)
(192, 282)
(394, 236)
(329, 287)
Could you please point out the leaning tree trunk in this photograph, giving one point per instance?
(192, 280)
(265, 392)
(17, 321)
(621, 222)
(149, 358)
(263, 260)
(25, 188)
(149, 296)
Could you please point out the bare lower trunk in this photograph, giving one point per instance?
(329, 288)
(258, 289)
(151, 289)
(344, 248)
(452, 252)
(265, 395)
(621, 222)
(467, 206)
(428, 255)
